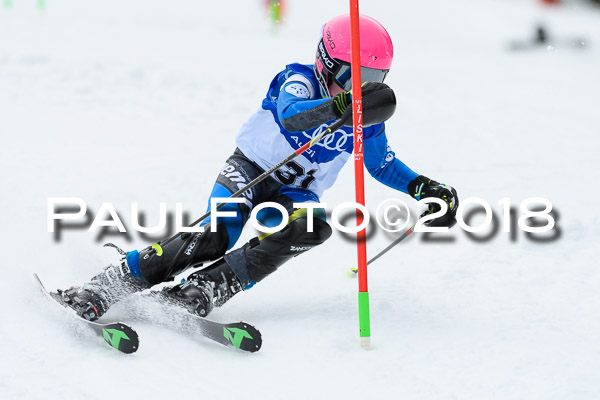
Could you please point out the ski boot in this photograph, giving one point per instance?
(205, 289)
(93, 299)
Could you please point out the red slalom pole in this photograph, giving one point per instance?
(359, 179)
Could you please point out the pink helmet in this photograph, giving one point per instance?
(333, 57)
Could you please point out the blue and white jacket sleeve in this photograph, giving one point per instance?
(381, 162)
(296, 95)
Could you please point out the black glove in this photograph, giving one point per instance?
(344, 99)
(371, 87)
(379, 104)
(422, 187)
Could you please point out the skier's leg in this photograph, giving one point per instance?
(242, 268)
(197, 248)
(140, 270)
(262, 256)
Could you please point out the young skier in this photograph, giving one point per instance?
(302, 100)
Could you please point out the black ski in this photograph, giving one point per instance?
(122, 337)
(240, 335)
(118, 335)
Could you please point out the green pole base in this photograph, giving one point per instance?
(364, 320)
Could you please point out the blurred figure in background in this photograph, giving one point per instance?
(542, 37)
(275, 10)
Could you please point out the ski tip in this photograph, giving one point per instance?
(352, 272)
(39, 281)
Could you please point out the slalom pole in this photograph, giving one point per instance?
(364, 321)
(157, 247)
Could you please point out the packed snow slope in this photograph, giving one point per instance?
(140, 101)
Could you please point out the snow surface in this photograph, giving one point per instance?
(140, 100)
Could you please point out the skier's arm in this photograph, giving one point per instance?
(382, 164)
(297, 113)
(296, 110)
